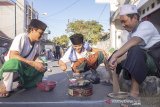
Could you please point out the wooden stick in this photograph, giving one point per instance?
(116, 87)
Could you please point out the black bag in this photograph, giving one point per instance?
(93, 77)
(154, 52)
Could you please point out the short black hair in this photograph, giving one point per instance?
(37, 24)
(76, 39)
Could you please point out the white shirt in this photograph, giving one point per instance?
(65, 57)
(83, 54)
(146, 31)
(22, 44)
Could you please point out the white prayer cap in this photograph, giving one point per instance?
(128, 9)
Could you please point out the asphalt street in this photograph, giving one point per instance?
(59, 96)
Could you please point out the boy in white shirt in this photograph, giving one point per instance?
(82, 56)
(22, 59)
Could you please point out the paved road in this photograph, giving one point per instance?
(59, 97)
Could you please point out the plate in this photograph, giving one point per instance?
(119, 95)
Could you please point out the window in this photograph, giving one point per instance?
(139, 12)
(158, 1)
(152, 5)
(143, 11)
(147, 8)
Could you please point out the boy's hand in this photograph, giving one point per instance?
(39, 66)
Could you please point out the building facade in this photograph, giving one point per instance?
(15, 16)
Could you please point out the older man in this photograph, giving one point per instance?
(142, 36)
(22, 59)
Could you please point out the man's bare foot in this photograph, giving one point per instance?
(3, 92)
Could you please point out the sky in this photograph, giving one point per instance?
(61, 12)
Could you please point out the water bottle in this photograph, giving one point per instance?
(43, 58)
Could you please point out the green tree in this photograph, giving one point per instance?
(91, 30)
(63, 40)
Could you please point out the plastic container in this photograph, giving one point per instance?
(46, 85)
